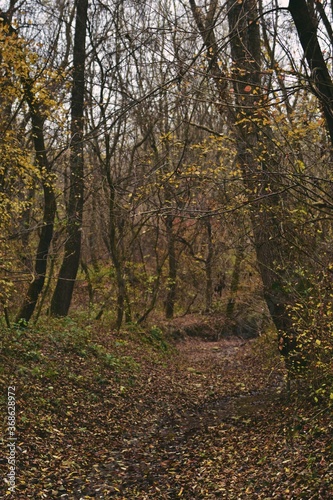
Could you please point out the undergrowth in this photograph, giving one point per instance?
(131, 414)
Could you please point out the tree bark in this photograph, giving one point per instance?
(63, 292)
(235, 280)
(209, 266)
(49, 210)
(123, 304)
(172, 276)
(262, 185)
(321, 83)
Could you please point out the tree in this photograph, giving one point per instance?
(62, 295)
(320, 78)
(49, 208)
(256, 159)
(276, 235)
(247, 123)
(39, 104)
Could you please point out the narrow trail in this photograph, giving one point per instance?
(209, 390)
(129, 418)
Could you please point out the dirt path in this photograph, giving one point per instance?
(211, 390)
(102, 416)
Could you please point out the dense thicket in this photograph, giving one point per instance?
(181, 152)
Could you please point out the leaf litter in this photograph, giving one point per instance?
(115, 418)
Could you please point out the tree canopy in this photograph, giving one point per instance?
(167, 156)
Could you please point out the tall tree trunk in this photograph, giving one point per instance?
(321, 82)
(235, 280)
(49, 210)
(171, 295)
(63, 292)
(209, 266)
(123, 305)
(262, 184)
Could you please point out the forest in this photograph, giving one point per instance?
(166, 270)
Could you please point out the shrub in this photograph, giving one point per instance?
(312, 323)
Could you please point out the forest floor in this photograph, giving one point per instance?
(133, 416)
